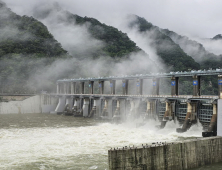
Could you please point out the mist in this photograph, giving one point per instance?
(213, 46)
(78, 41)
(199, 18)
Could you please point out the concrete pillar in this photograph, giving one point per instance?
(73, 87)
(196, 85)
(57, 89)
(213, 122)
(68, 88)
(148, 107)
(117, 116)
(65, 88)
(156, 84)
(85, 107)
(151, 109)
(174, 86)
(190, 117)
(76, 107)
(61, 105)
(91, 83)
(125, 87)
(220, 86)
(212, 129)
(61, 88)
(98, 107)
(82, 86)
(93, 110)
(192, 108)
(122, 108)
(148, 110)
(68, 106)
(69, 101)
(110, 109)
(105, 109)
(113, 86)
(139, 86)
(101, 87)
(132, 111)
(168, 115)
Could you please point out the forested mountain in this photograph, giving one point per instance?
(25, 46)
(111, 41)
(180, 53)
(217, 37)
(26, 35)
(206, 59)
(196, 50)
(29, 45)
(191, 47)
(170, 52)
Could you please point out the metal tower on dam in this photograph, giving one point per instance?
(187, 109)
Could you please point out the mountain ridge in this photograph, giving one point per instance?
(167, 49)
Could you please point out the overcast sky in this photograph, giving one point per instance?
(194, 18)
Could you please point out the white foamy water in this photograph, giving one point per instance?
(81, 147)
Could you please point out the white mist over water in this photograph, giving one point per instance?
(81, 147)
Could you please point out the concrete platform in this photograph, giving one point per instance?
(168, 156)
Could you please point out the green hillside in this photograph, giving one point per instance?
(179, 53)
(171, 53)
(115, 43)
(25, 46)
(26, 35)
(206, 60)
(196, 50)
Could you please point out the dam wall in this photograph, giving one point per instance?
(35, 104)
(167, 156)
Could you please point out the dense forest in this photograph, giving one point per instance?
(116, 43)
(25, 44)
(170, 52)
(196, 50)
(28, 47)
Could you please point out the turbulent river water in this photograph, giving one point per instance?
(57, 142)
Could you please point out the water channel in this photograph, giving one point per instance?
(57, 142)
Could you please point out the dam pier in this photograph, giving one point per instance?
(89, 97)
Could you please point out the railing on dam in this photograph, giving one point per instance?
(78, 86)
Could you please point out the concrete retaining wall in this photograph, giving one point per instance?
(35, 104)
(8, 98)
(177, 156)
(30, 105)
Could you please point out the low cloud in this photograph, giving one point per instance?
(74, 38)
(191, 18)
(213, 46)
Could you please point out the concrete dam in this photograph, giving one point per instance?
(122, 98)
(76, 97)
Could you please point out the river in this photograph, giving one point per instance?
(57, 142)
